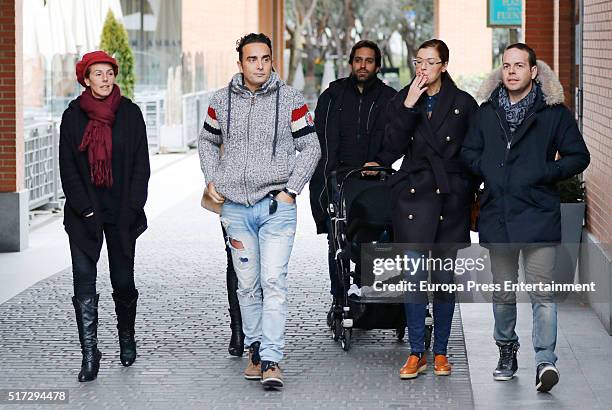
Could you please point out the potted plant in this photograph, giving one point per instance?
(571, 192)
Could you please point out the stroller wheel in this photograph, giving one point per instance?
(400, 333)
(330, 318)
(428, 332)
(346, 339)
(337, 329)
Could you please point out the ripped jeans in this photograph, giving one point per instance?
(261, 245)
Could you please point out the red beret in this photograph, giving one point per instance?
(90, 59)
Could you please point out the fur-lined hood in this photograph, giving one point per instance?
(550, 84)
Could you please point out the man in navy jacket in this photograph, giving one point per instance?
(522, 142)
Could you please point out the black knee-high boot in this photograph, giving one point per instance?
(125, 308)
(86, 311)
(236, 344)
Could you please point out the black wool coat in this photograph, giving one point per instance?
(339, 152)
(79, 191)
(520, 202)
(433, 191)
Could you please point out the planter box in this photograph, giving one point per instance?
(572, 220)
(171, 139)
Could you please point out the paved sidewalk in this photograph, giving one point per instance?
(182, 331)
(584, 351)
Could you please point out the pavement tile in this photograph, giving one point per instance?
(183, 328)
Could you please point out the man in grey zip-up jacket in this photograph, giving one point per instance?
(260, 140)
(261, 123)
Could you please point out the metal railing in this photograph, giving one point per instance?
(41, 140)
(195, 106)
(153, 111)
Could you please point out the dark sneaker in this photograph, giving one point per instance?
(272, 377)
(547, 376)
(507, 364)
(253, 369)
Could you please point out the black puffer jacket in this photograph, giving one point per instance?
(520, 203)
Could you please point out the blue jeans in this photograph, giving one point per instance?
(416, 306)
(538, 265)
(261, 246)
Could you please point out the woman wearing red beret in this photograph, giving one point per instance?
(104, 168)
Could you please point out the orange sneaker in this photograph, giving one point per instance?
(441, 365)
(413, 367)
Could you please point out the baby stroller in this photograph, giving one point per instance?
(360, 212)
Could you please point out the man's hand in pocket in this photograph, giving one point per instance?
(285, 197)
(217, 197)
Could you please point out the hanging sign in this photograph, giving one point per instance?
(504, 13)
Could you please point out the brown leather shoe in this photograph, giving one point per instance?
(413, 367)
(272, 377)
(441, 365)
(253, 369)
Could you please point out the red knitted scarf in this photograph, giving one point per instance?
(98, 135)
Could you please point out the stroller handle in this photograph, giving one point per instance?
(377, 168)
(381, 169)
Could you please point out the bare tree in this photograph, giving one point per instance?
(415, 26)
(412, 19)
(379, 24)
(329, 28)
(301, 12)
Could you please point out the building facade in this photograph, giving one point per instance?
(200, 34)
(462, 25)
(575, 38)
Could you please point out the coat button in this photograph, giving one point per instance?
(410, 216)
(448, 138)
(501, 164)
(438, 191)
(411, 138)
(457, 111)
(441, 218)
(412, 190)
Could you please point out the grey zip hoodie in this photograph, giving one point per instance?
(260, 140)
